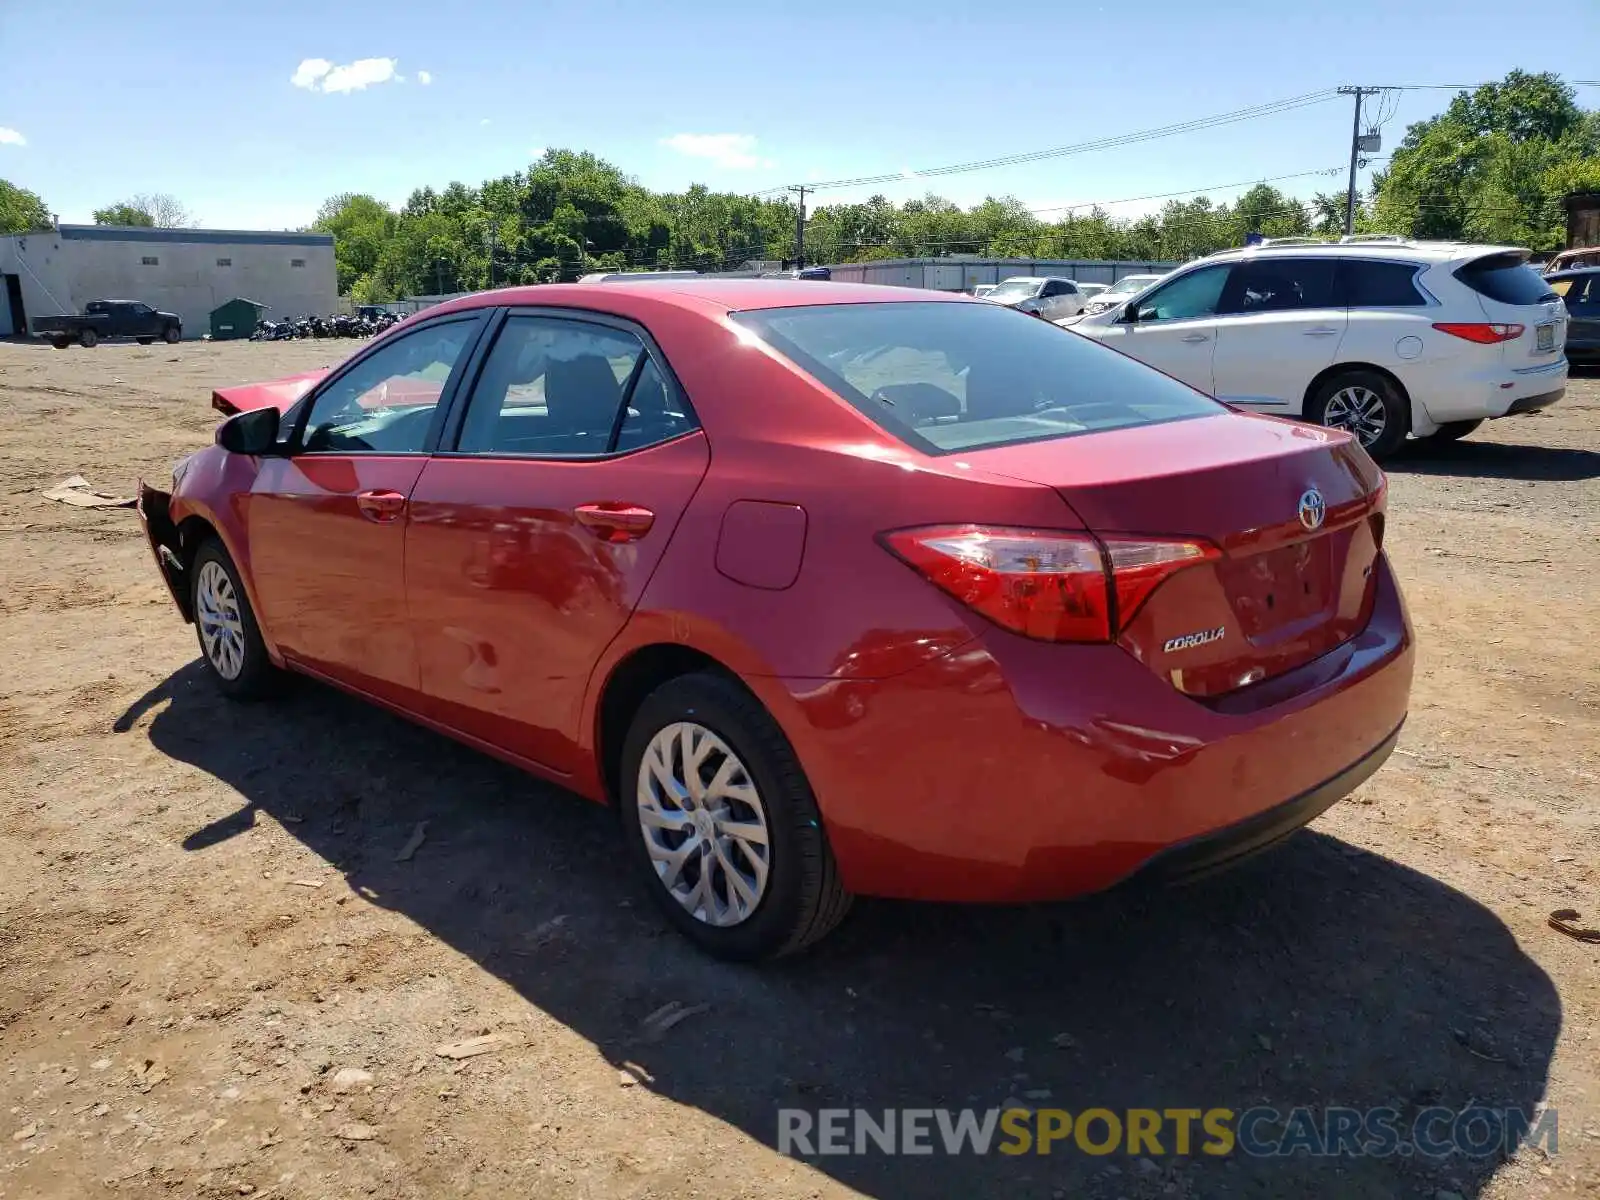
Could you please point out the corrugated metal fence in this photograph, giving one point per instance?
(963, 274)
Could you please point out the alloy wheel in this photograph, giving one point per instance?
(1357, 410)
(704, 824)
(221, 625)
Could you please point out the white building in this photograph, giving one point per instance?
(185, 271)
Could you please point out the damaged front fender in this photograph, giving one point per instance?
(153, 507)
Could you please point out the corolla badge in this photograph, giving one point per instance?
(1312, 508)
(1189, 641)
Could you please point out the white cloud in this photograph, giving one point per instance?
(320, 75)
(310, 72)
(424, 77)
(537, 152)
(484, 121)
(735, 151)
(10, 137)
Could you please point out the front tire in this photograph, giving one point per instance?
(172, 334)
(1450, 431)
(88, 338)
(720, 822)
(1366, 404)
(230, 639)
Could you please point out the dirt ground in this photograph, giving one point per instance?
(217, 980)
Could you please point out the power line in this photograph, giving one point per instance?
(1187, 191)
(1254, 112)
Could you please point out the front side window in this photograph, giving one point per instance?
(1583, 296)
(1275, 285)
(385, 403)
(1196, 294)
(950, 377)
(556, 388)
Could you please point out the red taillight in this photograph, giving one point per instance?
(1482, 332)
(1042, 583)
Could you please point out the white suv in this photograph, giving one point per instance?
(1380, 337)
(1043, 296)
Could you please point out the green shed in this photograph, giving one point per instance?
(235, 319)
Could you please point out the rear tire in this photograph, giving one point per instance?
(60, 343)
(754, 818)
(172, 334)
(88, 338)
(144, 341)
(1366, 404)
(230, 639)
(1451, 431)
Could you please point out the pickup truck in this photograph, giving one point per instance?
(102, 319)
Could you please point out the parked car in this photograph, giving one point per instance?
(1118, 292)
(1567, 260)
(983, 289)
(966, 609)
(1580, 290)
(102, 320)
(1042, 296)
(1382, 339)
(1090, 290)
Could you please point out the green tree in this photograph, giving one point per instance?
(361, 226)
(1492, 166)
(147, 208)
(122, 214)
(21, 211)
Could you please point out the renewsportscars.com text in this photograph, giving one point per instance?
(1474, 1132)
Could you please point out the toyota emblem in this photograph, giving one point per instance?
(1312, 508)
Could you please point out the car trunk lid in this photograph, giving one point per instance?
(1296, 511)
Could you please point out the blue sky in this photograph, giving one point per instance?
(212, 102)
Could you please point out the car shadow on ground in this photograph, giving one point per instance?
(1317, 975)
(1496, 460)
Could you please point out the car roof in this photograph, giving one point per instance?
(1386, 248)
(729, 295)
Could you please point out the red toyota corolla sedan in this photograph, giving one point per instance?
(830, 589)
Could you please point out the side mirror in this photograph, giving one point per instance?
(254, 432)
(1130, 314)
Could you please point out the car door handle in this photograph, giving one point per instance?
(611, 521)
(1321, 331)
(1196, 337)
(381, 506)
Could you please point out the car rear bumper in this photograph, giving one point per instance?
(1013, 770)
(1499, 392)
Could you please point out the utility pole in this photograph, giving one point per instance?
(800, 228)
(493, 229)
(1355, 148)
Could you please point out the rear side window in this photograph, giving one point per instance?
(1505, 278)
(952, 377)
(1364, 284)
(554, 388)
(1273, 285)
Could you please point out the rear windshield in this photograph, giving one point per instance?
(946, 377)
(1506, 278)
